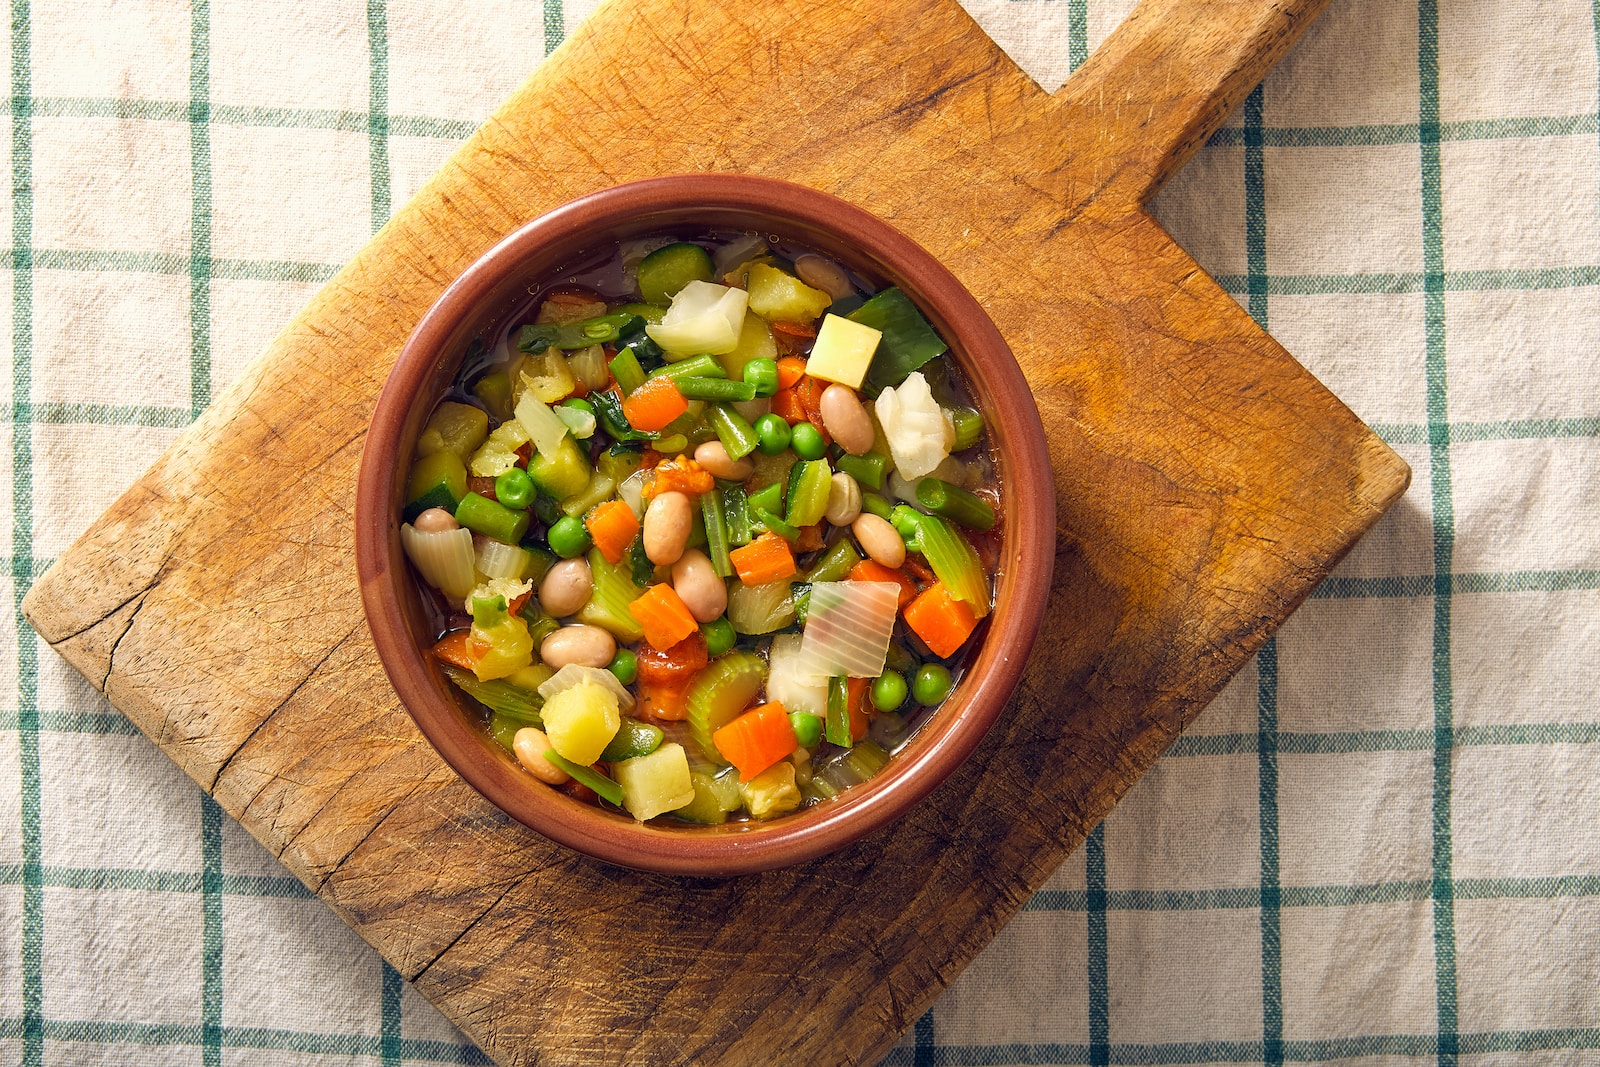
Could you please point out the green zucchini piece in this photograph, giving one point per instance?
(667, 270)
(437, 481)
(560, 473)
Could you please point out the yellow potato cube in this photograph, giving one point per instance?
(655, 783)
(581, 721)
(772, 792)
(843, 351)
(781, 297)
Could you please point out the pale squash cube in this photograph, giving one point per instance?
(773, 792)
(843, 351)
(581, 722)
(655, 783)
(778, 296)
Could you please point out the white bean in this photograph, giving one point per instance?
(713, 456)
(697, 585)
(820, 272)
(846, 419)
(435, 520)
(880, 540)
(667, 522)
(530, 745)
(566, 587)
(844, 500)
(587, 646)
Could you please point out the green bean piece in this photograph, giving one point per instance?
(716, 527)
(931, 684)
(868, 469)
(768, 498)
(625, 665)
(955, 504)
(969, 427)
(491, 518)
(626, 370)
(720, 636)
(736, 514)
(888, 690)
(774, 433)
(701, 366)
(632, 739)
(771, 523)
(696, 388)
(873, 504)
(838, 727)
(736, 435)
(835, 564)
(763, 375)
(807, 728)
(569, 537)
(907, 521)
(807, 442)
(514, 488)
(588, 776)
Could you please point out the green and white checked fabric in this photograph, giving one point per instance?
(1380, 846)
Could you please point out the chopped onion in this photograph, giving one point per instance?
(918, 431)
(544, 429)
(580, 422)
(573, 675)
(848, 628)
(589, 366)
(443, 558)
(496, 559)
(632, 491)
(790, 683)
(703, 317)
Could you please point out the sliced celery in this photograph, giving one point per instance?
(837, 724)
(588, 776)
(835, 564)
(499, 695)
(955, 562)
(736, 435)
(719, 693)
(607, 607)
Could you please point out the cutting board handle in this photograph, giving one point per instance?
(1166, 79)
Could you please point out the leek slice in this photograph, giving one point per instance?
(496, 559)
(760, 609)
(499, 695)
(444, 558)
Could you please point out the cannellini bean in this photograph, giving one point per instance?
(879, 540)
(587, 646)
(530, 745)
(667, 522)
(566, 587)
(847, 420)
(697, 585)
(435, 520)
(844, 500)
(820, 272)
(713, 456)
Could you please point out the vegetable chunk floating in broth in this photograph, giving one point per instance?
(707, 526)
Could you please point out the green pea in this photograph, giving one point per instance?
(625, 665)
(719, 635)
(772, 434)
(807, 442)
(568, 537)
(931, 684)
(807, 728)
(888, 690)
(763, 374)
(514, 488)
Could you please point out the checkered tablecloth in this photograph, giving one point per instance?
(1381, 845)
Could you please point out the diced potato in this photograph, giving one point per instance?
(499, 453)
(705, 807)
(458, 428)
(547, 377)
(755, 342)
(843, 351)
(655, 783)
(778, 296)
(772, 792)
(510, 648)
(581, 722)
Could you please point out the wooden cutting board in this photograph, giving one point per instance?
(1206, 484)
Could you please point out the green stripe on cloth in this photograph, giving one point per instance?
(200, 206)
(1241, 898)
(1303, 744)
(1417, 281)
(1496, 129)
(303, 118)
(1077, 33)
(1094, 905)
(378, 109)
(249, 1037)
(555, 25)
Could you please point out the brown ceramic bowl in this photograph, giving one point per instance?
(539, 252)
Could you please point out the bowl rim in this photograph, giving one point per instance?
(1028, 551)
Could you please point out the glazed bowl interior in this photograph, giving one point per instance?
(549, 249)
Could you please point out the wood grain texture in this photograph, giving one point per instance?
(1206, 484)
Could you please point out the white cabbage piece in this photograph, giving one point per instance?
(916, 428)
(703, 317)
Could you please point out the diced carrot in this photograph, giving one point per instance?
(663, 616)
(766, 559)
(680, 474)
(756, 740)
(810, 538)
(943, 622)
(675, 666)
(654, 404)
(456, 650)
(613, 527)
(870, 570)
(790, 370)
(519, 602)
(663, 703)
(856, 701)
(786, 405)
(809, 391)
(477, 483)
